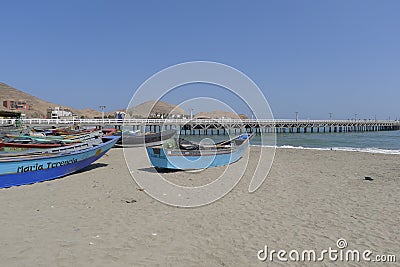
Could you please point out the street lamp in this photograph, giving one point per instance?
(191, 114)
(297, 115)
(355, 117)
(102, 112)
(330, 116)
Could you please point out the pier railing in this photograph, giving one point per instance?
(271, 122)
(204, 125)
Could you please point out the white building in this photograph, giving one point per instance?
(59, 113)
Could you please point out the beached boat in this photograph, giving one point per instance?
(34, 141)
(4, 130)
(135, 139)
(68, 131)
(109, 131)
(31, 167)
(187, 155)
(26, 143)
(73, 147)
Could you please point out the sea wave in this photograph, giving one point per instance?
(373, 150)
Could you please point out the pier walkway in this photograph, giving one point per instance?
(221, 126)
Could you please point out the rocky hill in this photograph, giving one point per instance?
(154, 110)
(38, 107)
(220, 114)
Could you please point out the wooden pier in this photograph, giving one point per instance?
(223, 126)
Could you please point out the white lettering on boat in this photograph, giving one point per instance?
(49, 165)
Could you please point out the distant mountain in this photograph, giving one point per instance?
(155, 109)
(90, 113)
(220, 114)
(38, 107)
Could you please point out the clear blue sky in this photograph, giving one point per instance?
(313, 57)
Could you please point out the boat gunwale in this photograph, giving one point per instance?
(31, 157)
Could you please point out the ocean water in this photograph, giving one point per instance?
(387, 142)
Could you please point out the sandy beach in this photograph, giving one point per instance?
(99, 217)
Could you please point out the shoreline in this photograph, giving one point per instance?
(371, 150)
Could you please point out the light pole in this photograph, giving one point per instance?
(191, 114)
(330, 116)
(297, 115)
(355, 117)
(102, 112)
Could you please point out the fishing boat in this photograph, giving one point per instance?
(109, 131)
(4, 130)
(73, 147)
(35, 141)
(68, 131)
(37, 166)
(136, 139)
(27, 143)
(185, 155)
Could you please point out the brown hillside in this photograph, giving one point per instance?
(90, 113)
(151, 109)
(38, 107)
(220, 114)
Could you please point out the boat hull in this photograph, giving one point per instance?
(16, 172)
(187, 160)
(151, 139)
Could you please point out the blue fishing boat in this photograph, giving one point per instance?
(28, 168)
(185, 155)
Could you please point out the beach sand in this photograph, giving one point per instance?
(310, 199)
